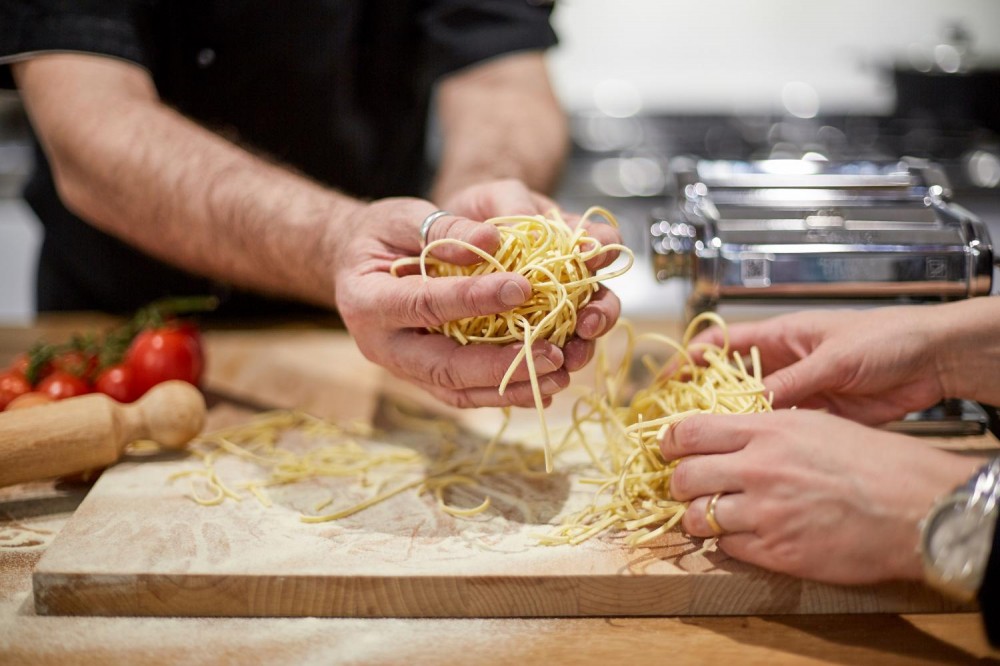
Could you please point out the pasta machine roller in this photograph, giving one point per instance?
(807, 230)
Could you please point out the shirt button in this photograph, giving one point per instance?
(205, 57)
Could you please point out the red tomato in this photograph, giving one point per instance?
(160, 354)
(118, 382)
(20, 364)
(76, 363)
(61, 384)
(30, 399)
(12, 384)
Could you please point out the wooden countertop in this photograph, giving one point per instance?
(31, 515)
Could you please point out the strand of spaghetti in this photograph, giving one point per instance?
(361, 506)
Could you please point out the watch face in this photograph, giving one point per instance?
(959, 543)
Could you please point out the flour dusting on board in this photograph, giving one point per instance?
(140, 518)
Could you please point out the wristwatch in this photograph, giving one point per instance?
(957, 535)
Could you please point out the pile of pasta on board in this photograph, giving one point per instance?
(617, 424)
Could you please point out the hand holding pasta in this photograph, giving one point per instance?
(388, 316)
(870, 366)
(633, 480)
(553, 258)
(810, 494)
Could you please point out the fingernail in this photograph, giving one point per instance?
(593, 322)
(543, 364)
(549, 385)
(512, 294)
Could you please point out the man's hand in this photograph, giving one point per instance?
(512, 197)
(871, 366)
(810, 494)
(388, 315)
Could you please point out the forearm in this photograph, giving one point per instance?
(500, 120)
(968, 351)
(142, 172)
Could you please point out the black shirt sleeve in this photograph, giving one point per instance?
(989, 593)
(460, 33)
(115, 28)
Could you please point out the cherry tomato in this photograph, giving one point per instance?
(76, 363)
(118, 382)
(20, 364)
(12, 384)
(61, 384)
(160, 354)
(29, 399)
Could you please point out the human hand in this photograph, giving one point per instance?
(512, 197)
(871, 366)
(810, 494)
(388, 316)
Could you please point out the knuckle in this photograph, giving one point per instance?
(680, 481)
(688, 433)
(424, 308)
(785, 556)
(445, 375)
(462, 400)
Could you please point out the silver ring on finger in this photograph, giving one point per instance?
(425, 226)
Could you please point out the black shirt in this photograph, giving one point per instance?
(338, 89)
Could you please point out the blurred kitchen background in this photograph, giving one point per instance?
(653, 84)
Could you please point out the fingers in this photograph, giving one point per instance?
(703, 434)
(512, 197)
(605, 234)
(518, 394)
(730, 513)
(543, 205)
(412, 302)
(438, 360)
(498, 198)
(599, 315)
(705, 475)
(484, 236)
(578, 353)
(797, 383)
(597, 318)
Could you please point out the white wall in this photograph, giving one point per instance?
(20, 238)
(737, 55)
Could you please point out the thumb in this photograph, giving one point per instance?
(796, 383)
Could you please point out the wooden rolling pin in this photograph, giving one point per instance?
(92, 431)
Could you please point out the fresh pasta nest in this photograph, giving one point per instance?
(553, 257)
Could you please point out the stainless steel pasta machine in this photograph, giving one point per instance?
(782, 230)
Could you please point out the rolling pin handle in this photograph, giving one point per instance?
(171, 414)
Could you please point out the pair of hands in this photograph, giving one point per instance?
(810, 493)
(388, 316)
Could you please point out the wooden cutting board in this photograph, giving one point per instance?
(139, 546)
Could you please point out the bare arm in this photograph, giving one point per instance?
(139, 171)
(500, 119)
(968, 360)
(129, 165)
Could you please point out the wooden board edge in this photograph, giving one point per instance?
(162, 595)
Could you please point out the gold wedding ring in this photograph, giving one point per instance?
(710, 518)
(425, 226)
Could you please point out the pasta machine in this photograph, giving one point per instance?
(807, 231)
(779, 230)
